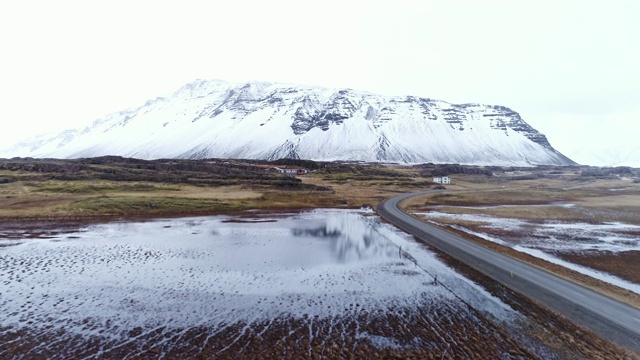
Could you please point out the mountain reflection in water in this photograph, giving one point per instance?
(352, 237)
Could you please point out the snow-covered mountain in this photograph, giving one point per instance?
(602, 155)
(261, 120)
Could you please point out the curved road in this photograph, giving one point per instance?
(607, 317)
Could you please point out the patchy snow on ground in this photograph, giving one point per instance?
(556, 236)
(106, 279)
(581, 269)
(546, 240)
(484, 207)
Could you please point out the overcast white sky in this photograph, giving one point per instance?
(570, 68)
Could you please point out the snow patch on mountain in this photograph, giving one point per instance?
(260, 120)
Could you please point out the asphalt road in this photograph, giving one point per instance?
(607, 317)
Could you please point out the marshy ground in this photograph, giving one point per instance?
(45, 202)
(324, 283)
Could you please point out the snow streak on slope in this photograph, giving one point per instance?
(268, 121)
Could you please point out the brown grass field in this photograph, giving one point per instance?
(29, 196)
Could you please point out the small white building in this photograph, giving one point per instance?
(442, 180)
(292, 171)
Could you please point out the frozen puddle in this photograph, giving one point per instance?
(212, 286)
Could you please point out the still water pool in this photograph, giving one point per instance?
(102, 283)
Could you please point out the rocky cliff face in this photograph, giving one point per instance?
(267, 121)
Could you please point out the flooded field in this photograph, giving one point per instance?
(330, 283)
(601, 249)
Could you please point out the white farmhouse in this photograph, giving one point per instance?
(442, 180)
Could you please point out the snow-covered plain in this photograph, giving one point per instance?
(102, 281)
(548, 239)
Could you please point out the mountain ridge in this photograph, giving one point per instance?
(262, 120)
